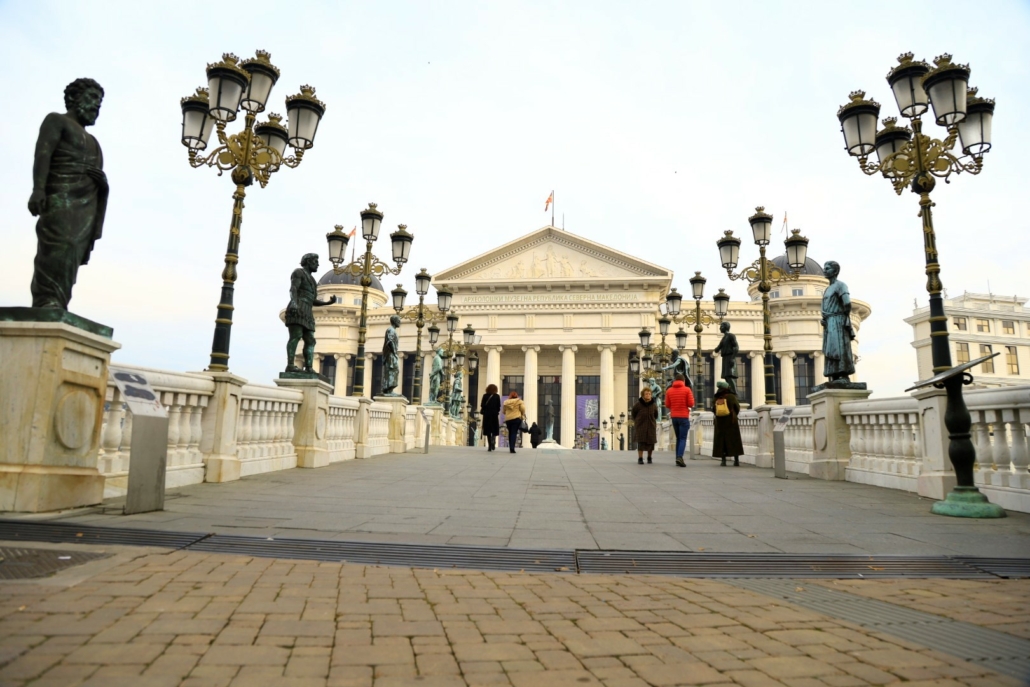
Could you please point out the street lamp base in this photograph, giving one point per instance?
(967, 502)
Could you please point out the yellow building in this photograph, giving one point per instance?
(565, 311)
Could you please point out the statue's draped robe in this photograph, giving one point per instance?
(307, 292)
(435, 378)
(72, 221)
(391, 361)
(728, 350)
(837, 334)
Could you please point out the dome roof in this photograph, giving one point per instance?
(811, 266)
(331, 277)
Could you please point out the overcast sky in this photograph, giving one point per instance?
(658, 124)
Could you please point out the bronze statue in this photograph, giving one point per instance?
(391, 357)
(299, 317)
(728, 349)
(837, 330)
(678, 365)
(435, 378)
(69, 194)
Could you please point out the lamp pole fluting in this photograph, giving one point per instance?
(766, 275)
(365, 267)
(255, 153)
(912, 159)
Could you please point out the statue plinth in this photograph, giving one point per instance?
(57, 316)
(549, 445)
(53, 382)
(839, 384)
(311, 423)
(305, 375)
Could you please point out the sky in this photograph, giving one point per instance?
(658, 124)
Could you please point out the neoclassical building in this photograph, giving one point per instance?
(559, 316)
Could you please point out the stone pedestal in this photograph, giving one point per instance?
(361, 447)
(551, 445)
(764, 457)
(398, 408)
(311, 421)
(831, 435)
(936, 475)
(218, 444)
(53, 379)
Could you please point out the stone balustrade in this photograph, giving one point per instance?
(1000, 419)
(265, 429)
(378, 429)
(885, 442)
(342, 429)
(186, 397)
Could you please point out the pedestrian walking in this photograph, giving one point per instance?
(726, 440)
(679, 399)
(535, 435)
(490, 409)
(514, 414)
(645, 422)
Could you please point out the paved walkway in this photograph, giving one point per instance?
(153, 619)
(574, 499)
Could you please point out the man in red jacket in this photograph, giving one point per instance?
(679, 399)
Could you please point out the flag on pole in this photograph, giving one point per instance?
(784, 227)
(352, 232)
(550, 199)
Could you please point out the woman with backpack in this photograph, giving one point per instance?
(727, 441)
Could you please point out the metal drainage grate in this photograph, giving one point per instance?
(687, 564)
(1012, 568)
(59, 533)
(25, 564)
(998, 651)
(412, 555)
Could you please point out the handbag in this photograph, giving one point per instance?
(722, 408)
(525, 426)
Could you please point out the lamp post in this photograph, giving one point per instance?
(256, 152)
(764, 273)
(365, 267)
(610, 424)
(420, 317)
(463, 357)
(699, 318)
(910, 158)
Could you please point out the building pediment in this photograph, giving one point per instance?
(551, 255)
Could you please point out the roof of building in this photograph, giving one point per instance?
(811, 266)
(344, 278)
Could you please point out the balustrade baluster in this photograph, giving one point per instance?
(1002, 455)
(1020, 478)
(982, 439)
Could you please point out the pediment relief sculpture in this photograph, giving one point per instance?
(547, 262)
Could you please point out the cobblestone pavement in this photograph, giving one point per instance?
(148, 619)
(573, 499)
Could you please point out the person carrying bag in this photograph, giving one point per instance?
(514, 418)
(726, 440)
(490, 409)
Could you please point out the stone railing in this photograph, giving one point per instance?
(413, 426)
(265, 428)
(185, 396)
(378, 429)
(886, 442)
(1000, 426)
(342, 427)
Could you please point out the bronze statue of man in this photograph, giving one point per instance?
(391, 357)
(69, 194)
(300, 319)
(728, 350)
(837, 330)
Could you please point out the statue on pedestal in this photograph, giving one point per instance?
(299, 317)
(657, 394)
(69, 194)
(457, 395)
(839, 363)
(728, 350)
(435, 378)
(391, 358)
(679, 365)
(549, 420)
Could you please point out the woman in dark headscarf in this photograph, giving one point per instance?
(726, 441)
(490, 408)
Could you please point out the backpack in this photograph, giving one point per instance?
(722, 408)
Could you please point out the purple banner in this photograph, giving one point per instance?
(587, 408)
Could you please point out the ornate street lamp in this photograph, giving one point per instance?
(699, 318)
(420, 316)
(366, 266)
(908, 158)
(256, 152)
(609, 425)
(767, 275)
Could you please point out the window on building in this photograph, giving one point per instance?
(961, 353)
(804, 378)
(548, 388)
(589, 385)
(797, 292)
(1008, 326)
(983, 326)
(1012, 360)
(744, 380)
(774, 294)
(960, 324)
(408, 378)
(328, 370)
(377, 375)
(632, 394)
(987, 367)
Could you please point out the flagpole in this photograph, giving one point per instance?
(552, 207)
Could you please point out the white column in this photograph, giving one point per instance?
(716, 373)
(757, 378)
(606, 404)
(493, 366)
(400, 372)
(367, 379)
(788, 396)
(427, 369)
(568, 396)
(342, 369)
(530, 376)
(818, 361)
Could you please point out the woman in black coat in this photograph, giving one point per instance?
(489, 409)
(726, 441)
(535, 435)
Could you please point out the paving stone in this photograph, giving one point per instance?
(239, 655)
